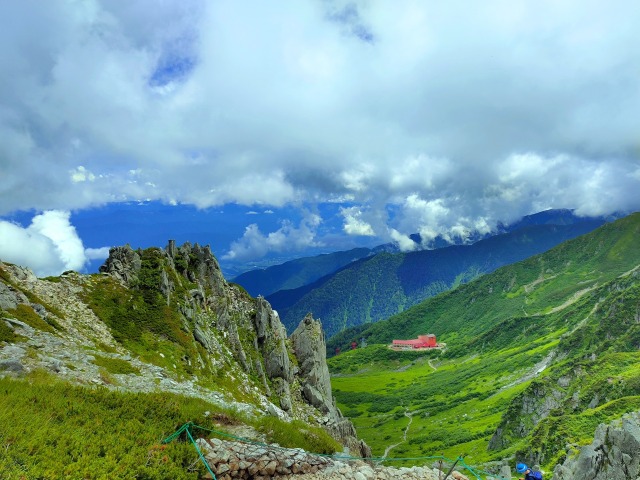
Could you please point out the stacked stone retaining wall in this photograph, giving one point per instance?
(230, 459)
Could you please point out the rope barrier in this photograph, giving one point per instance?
(189, 425)
(185, 428)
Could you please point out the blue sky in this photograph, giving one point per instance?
(271, 130)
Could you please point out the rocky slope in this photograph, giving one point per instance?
(613, 455)
(171, 322)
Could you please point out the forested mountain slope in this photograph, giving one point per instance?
(302, 272)
(377, 287)
(297, 273)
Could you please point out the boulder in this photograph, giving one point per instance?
(310, 347)
(614, 453)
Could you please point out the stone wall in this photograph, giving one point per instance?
(232, 459)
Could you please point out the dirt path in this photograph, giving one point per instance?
(404, 435)
(528, 288)
(431, 364)
(572, 299)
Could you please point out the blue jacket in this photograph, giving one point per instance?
(530, 475)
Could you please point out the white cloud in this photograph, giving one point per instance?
(453, 120)
(254, 244)
(353, 223)
(81, 174)
(48, 246)
(101, 253)
(404, 242)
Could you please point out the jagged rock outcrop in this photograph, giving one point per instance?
(310, 348)
(198, 264)
(123, 263)
(614, 454)
(524, 414)
(10, 298)
(272, 337)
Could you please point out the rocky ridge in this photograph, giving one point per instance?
(56, 327)
(613, 454)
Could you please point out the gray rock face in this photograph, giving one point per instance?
(12, 365)
(272, 338)
(535, 404)
(123, 263)
(10, 298)
(198, 263)
(310, 348)
(613, 455)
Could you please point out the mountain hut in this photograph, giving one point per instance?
(423, 341)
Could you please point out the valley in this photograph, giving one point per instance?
(538, 354)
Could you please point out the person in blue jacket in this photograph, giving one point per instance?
(529, 474)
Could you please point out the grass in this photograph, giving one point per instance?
(116, 365)
(54, 430)
(25, 313)
(457, 408)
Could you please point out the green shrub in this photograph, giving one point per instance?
(115, 365)
(28, 315)
(6, 332)
(53, 430)
(297, 434)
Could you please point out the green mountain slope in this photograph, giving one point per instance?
(538, 354)
(380, 286)
(521, 291)
(296, 273)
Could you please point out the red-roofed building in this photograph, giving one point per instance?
(423, 341)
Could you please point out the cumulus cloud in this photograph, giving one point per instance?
(49, 245)
(80, 174)
(405, 243)
(452, 121)
(353, 223)
(254, 244)
(101, 253)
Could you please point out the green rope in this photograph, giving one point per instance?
(175, 435)
(185, 428)
(189, 425)
(206, 464)
(462, 462)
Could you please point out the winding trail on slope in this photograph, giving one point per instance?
(404, 435)
(573, 299)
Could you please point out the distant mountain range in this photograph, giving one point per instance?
(364, 285)
(377, 287)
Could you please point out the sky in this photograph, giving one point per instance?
(282, 128)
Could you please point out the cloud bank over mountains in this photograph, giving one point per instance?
(429, 117)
